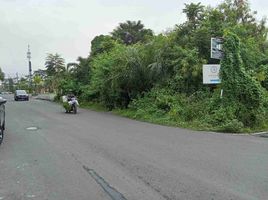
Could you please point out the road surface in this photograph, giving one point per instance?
(49, 155)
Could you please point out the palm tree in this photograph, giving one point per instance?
(193, 12)
(54, 64)
(37, 81)
(131, 32)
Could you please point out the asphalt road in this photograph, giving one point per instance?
(100, 156)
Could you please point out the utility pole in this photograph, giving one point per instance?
(17, 77)
(30, 68)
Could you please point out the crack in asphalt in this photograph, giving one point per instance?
(113, 193)
(154, 188)
(97, 178)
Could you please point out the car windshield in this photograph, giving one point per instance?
(21, 92)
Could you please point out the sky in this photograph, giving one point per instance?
(67, 27)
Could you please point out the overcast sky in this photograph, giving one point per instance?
(68, 26)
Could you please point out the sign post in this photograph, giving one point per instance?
(211, 74)
(216, 50)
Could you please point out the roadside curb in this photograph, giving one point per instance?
(258, 134)
(45, 97)
(261, 134)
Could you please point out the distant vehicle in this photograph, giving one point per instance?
(21, 95)
(2, 118)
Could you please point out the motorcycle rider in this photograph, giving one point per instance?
(72, 99)
(70, 103)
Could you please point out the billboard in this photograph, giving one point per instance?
(211, 74)
(216, 50)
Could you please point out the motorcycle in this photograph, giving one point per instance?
(70, 104)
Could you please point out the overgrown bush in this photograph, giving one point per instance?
(161, 104)
(201, 110)
(239, 87)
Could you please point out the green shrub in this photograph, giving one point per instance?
(231, 126)
(162, 104)
(202, 110)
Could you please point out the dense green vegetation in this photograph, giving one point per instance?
(158, 78)
(2, 75)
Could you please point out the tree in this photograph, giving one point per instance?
(72, 67)
(23, 83)
(80, 71)
(37, 81)
(131, 32)
(239, 18)
(54, 64)
(193, 34)
(55, 69)
(2, 75)
(10, 85)
(101, 44)
(194, 13)
(40, 72)
(119, 76)
(240, 89)
(238, 12)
